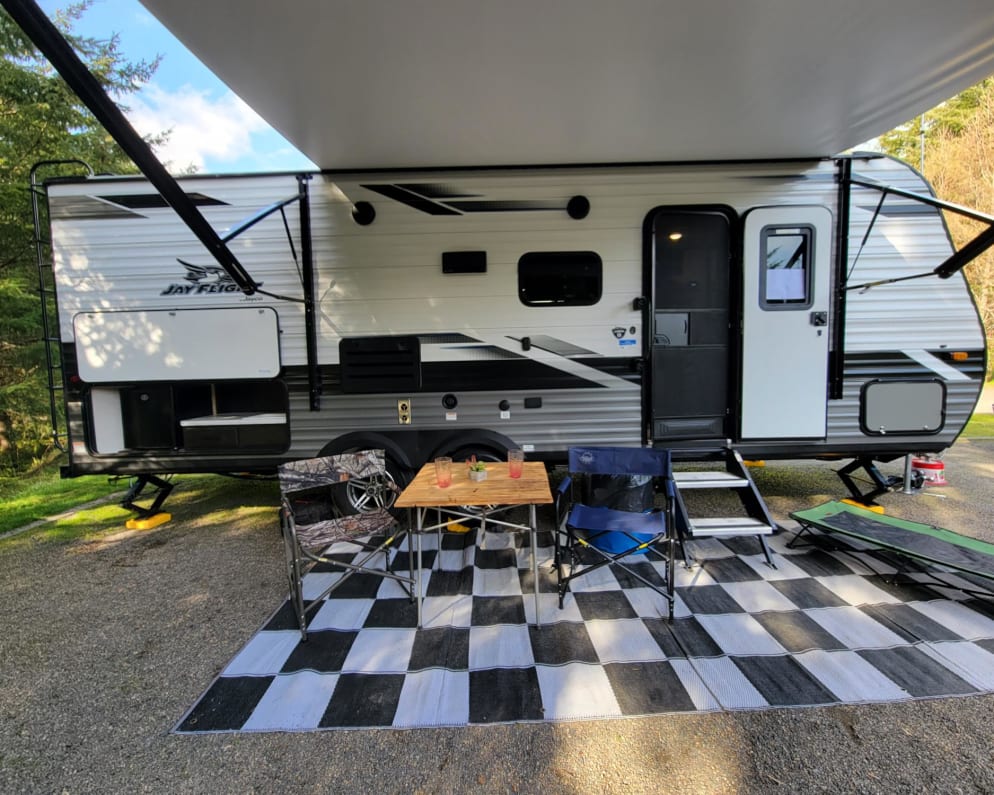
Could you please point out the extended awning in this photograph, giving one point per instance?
(381, 83)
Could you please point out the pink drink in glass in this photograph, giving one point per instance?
(515, 462)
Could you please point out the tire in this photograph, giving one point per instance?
(362, 495)
(482, 454)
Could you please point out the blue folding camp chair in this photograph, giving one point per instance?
(606, 516)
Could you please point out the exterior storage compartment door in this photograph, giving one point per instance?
(785, 315)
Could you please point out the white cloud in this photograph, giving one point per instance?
(202, 128)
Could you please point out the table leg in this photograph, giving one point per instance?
(438, 539)
(410, 547)
(534, 540)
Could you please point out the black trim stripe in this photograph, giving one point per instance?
(559, 347)
(431, 191)
(154, 201)
(443, 339)
(80, 207)
(420, 196)
(900, 211)
(475, 376)
(411, 199)
(500, 375)
(507, 206)
(893, 364)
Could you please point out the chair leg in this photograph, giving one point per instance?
(682, 538)
(296, 580)
(671, 575)
(562, 582)
(556, 547)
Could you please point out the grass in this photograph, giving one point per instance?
(980, 426)
(35, 495)
(197, 498)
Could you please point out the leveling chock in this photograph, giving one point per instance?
(147, 517)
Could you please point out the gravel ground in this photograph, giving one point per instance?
(106, 643)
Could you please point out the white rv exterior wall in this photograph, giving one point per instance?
(911, 317)
(403, 246)
(129, 259)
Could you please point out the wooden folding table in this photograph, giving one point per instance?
(477, 500)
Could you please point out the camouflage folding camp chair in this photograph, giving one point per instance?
(316, 531)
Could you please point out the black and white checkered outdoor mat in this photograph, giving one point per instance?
(820, 629)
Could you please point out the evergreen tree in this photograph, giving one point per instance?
(948, 119)
(41, 119)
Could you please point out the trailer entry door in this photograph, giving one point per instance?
(785, 339)
(689, 385)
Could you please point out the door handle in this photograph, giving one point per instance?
(819, 318)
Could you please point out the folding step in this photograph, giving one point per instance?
(709, 480)
(735, 480)
(727, 527)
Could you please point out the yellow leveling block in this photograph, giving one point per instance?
(149, 522)
(874, 508)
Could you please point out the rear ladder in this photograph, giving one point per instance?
(46, 294)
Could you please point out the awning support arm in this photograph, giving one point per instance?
(53, 45)
(265, 212)
(958, 259)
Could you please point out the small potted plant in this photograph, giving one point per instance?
(477, 469)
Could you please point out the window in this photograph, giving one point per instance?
(691, 252)
(785, 280)
(560, 278)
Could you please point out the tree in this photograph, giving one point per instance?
(960, 165)
(945, 121)
(41, 119)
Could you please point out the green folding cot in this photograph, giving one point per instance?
(913, 541)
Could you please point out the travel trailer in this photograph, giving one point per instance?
(453, 279)
(768, 305)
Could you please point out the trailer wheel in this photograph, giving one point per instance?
(362, 495)
(482, 454)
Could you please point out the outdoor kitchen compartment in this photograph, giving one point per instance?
(240, 415)
(240, 431)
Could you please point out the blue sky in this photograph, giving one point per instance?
(211, 128)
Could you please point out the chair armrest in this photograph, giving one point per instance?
(563, 499)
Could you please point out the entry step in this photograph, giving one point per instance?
(720, 527)
(709, 480)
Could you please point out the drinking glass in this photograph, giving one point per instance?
(443, 471)
(515, 462)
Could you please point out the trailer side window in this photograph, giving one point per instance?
(560, 278)
(787, 263)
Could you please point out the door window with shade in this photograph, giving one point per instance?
(787, 263)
